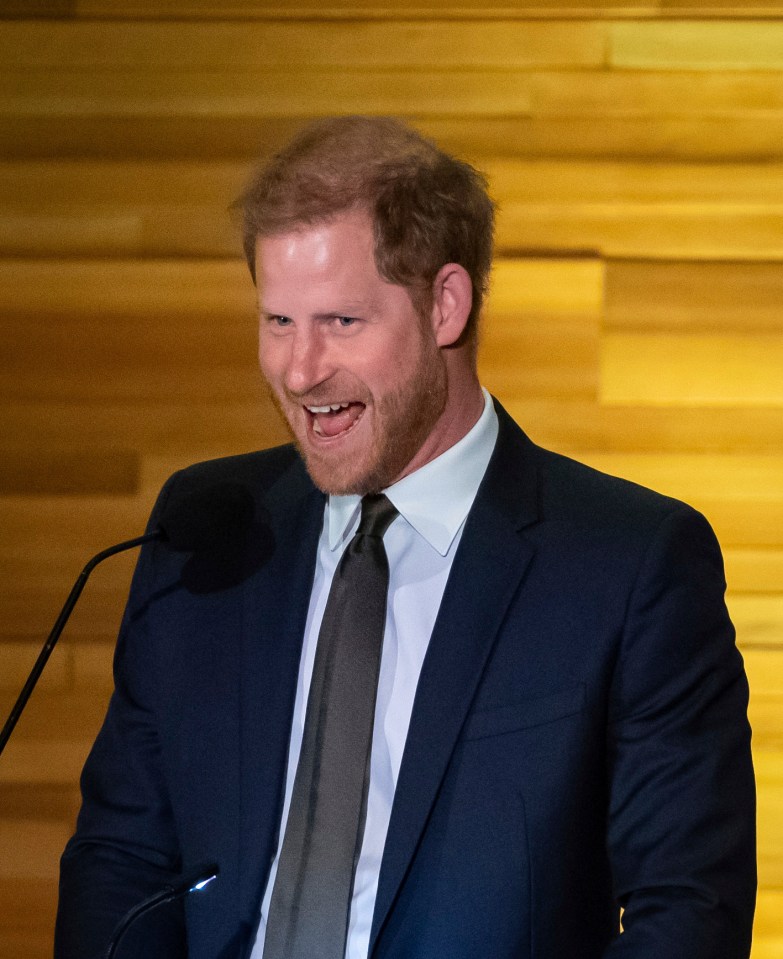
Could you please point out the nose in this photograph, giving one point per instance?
(307, 364)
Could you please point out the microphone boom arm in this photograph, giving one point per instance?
(62, 619)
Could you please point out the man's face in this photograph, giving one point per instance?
(352, 365)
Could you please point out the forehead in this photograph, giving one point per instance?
(339, 250)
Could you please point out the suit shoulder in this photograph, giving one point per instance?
(260, 469)
(579, 486)
(260, 472)
(568, 491)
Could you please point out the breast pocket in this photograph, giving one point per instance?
(523, 715)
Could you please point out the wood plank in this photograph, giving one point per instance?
(66, 715)
(350, 9)
(21, 801)
(754, 570)
(555, 364)
(759, 620)
(571, 94)
(720, 8)
(540, 335)
(30, 9)
(557, 285)
(176, 207)
(457, 91)
(77, 668)
(769, 780)
(692, 369)
(682, 296)
(573, 426)
(764, 668)
(585, 182)
(635, 230)
(84, 525)
(29, 849)
(248, 9)
(16, 661)
(30, 614)
(226, 94)
(725, 45)
(220, 426)
(93, 666)
(71, 472)
(240, 47)
(513, 133)
(628, 94)
(55, 762)
(128, 329)
(697, 230)
(120, 289)
(27, 918)
(769, 914)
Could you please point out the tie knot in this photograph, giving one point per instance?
(377, 515)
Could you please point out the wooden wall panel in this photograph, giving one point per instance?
(687, 370)
(452, 90)
(725, 46)
(696, 296)
(160, 208)
(754, 570)
(421, 9)
(165, 49)
(769, 778)
(634, 319)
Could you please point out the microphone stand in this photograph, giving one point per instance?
(62, 619)
(192, 883)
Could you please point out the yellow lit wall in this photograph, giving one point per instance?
(635, 320)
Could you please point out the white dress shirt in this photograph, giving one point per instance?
(420, 543)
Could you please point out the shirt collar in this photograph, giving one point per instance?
(419, 497)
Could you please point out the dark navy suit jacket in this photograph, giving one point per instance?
(578, 744)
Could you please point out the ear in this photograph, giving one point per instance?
(452, 299)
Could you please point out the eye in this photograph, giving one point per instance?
(346, 320)
(280, 320)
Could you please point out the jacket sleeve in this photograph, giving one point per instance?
(681, 830)
(125, 847)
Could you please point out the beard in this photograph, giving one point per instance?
(401, 422)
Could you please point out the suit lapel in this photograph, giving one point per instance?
(489, 566)
(276, 601)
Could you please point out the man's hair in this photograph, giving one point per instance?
(427, 208)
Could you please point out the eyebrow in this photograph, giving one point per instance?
(351, 309)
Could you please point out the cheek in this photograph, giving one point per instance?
(270, 357)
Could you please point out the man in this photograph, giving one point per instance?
(555, 727)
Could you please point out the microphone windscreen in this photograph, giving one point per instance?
(208, 518)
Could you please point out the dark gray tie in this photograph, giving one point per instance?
(310, 905)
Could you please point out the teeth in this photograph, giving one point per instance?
(327, 409)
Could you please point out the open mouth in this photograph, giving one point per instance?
(334, 419)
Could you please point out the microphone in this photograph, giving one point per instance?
(214, 519)
(193, 882)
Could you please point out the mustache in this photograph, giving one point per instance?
(326, 393)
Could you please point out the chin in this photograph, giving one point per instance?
(335, 479)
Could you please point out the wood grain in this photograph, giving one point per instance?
(634, 319)
(248, 47)
(725, 45)
(677, 369)
(694, 296)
